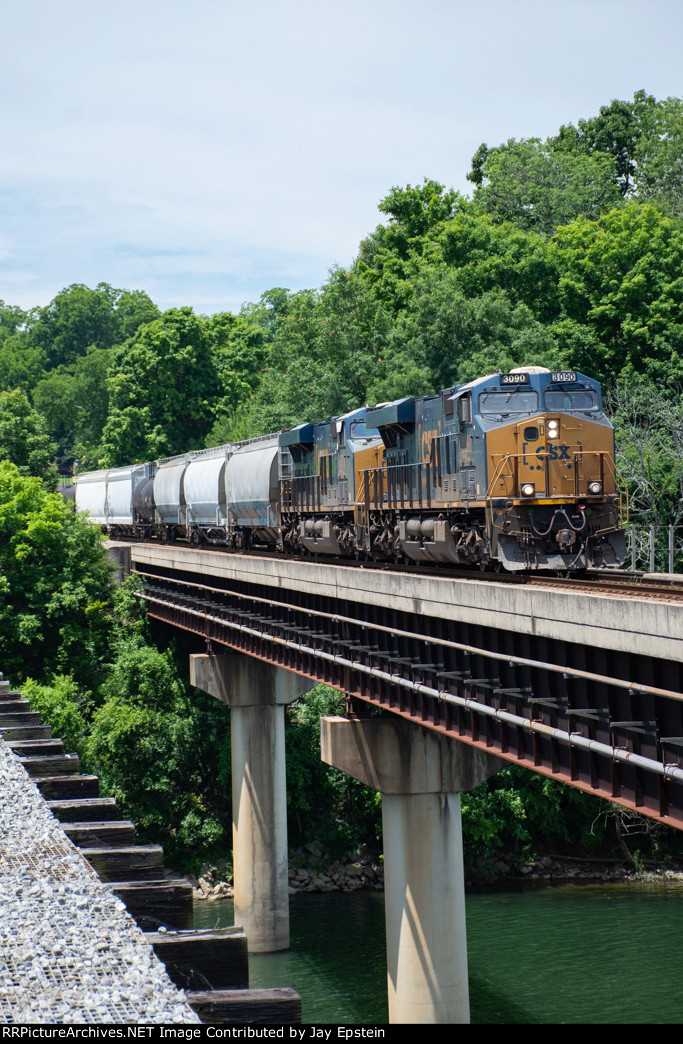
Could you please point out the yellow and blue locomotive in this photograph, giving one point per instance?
(514, 469)
(322, 468)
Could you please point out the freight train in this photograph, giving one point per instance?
(513, 470)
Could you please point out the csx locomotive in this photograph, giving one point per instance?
(513, 470)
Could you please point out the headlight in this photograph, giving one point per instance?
(595, 488)
(528, 489)
(553, 429)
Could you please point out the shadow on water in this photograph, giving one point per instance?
(337, 958)
(571, 954)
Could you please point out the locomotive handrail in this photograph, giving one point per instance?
(602, 455)
(399, 486)
(621, 485)
(488, 499)
(303, 492)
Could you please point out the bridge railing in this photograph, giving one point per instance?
(654, 548)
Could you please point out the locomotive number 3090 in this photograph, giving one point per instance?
(563, 377)
(514, 378)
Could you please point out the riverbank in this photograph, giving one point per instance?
(554, 869)
(310, 872)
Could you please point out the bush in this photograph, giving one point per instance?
(61, 705)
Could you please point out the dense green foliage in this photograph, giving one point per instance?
(569, 254)
(323, 802)
(157, 748)
(61, 354)
(54, 583)
(63, 705)
(24, 440)
(162, 389)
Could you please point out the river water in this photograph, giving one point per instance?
(572, 954)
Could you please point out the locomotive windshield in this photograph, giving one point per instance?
(517, 400)
(359, 430)
(556, 399)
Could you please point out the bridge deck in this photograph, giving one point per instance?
(69, 951)
(617, 622)
(583, 686)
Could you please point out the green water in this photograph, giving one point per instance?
(576, 954)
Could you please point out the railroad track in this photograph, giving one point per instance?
(628, 583)
(628, 587)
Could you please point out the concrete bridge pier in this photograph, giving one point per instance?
(420, 775)
(256, 693)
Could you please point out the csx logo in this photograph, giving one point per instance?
(551, 452)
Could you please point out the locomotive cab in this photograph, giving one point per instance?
(553, 496)
(514, 469)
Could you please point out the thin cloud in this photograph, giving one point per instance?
(207, 153)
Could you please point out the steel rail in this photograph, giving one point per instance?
(509, 658)
(570, 739)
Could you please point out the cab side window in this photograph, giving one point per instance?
(465, 410)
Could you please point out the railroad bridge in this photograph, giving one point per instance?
(579, 681)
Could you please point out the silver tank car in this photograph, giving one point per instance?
(204, 490)
(252, 491)
(91, 495)
(169, 496)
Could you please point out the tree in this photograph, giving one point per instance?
(23, 438)
(241, 352)
(54, 583)
(22, 364)
(620, 280)
(416, 210)
(79, 317)
(62, 705)
(644, 137)
(493, 256)
(157, 749)
(326, 355)
(387, 258)
(614, 132)
(659, 174)
(74, 401)
(163, 386)
(457, 338)
(528, 184)
(648, 422)
(11, 320)
(324, 803)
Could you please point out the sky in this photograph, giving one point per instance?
(207, 152)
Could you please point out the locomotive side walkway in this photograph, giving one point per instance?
(69, 951)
